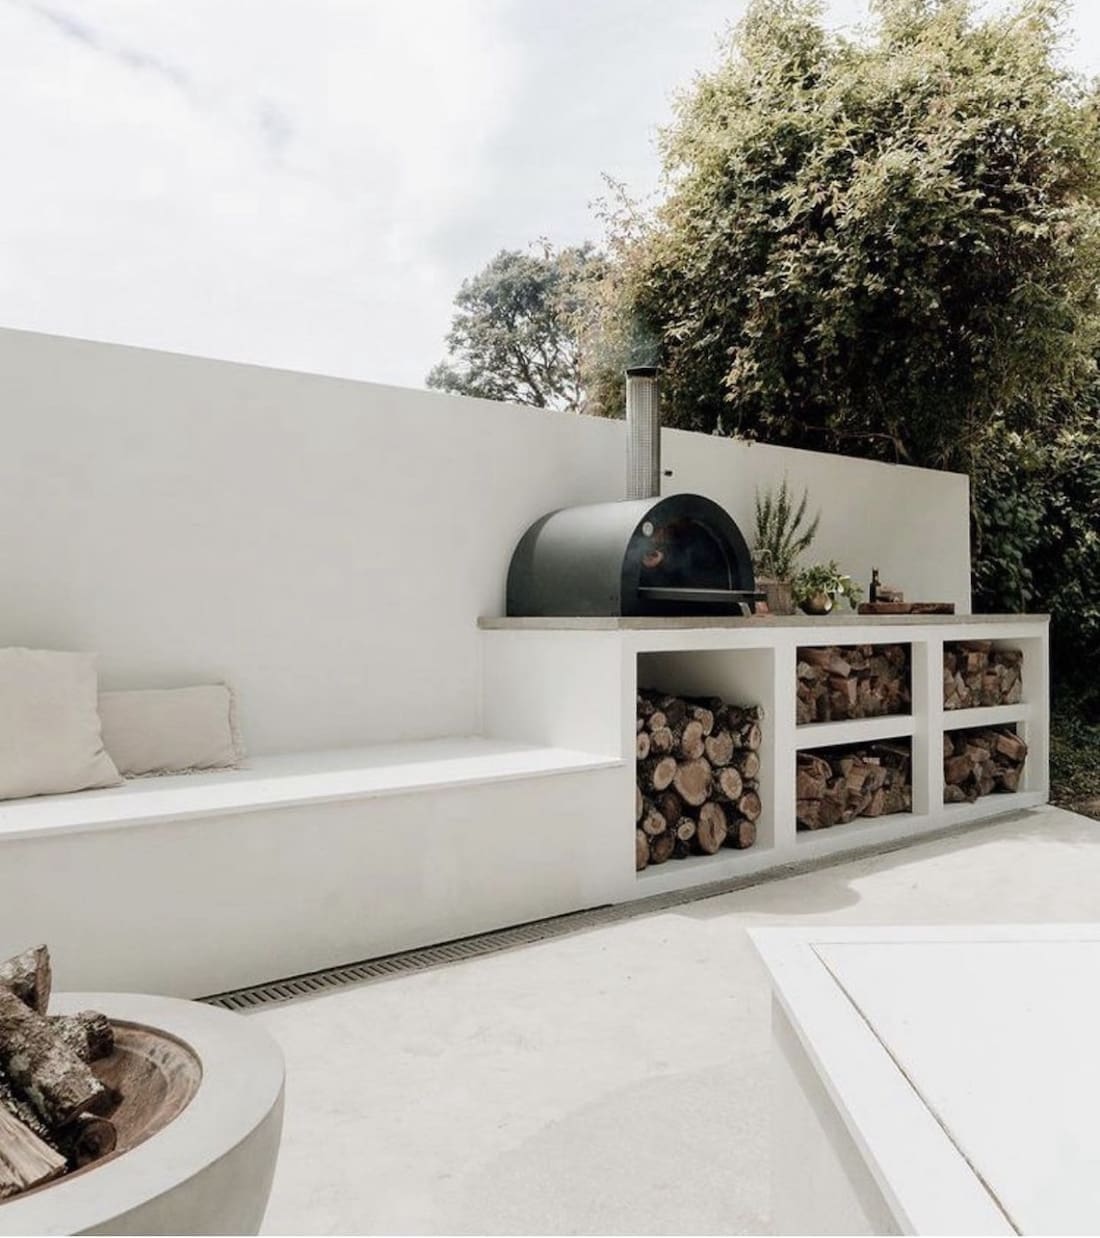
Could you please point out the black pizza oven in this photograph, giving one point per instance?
(680, 555)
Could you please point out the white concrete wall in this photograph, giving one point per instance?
(328, 545)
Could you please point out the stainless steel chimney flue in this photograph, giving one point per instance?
(643, 433)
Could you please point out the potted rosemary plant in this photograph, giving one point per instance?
(781, 537)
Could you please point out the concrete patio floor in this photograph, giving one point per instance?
(614, 1080)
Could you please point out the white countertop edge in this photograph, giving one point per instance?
(927, 1183)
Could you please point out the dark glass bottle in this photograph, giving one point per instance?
(872, 593)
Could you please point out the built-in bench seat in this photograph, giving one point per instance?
(293, 779)
(200, 883)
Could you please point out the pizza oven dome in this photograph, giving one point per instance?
(682, 554)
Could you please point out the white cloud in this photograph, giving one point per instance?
(256, 180)
(305, 182)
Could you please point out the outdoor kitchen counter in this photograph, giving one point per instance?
(619, 623)
(572, 682)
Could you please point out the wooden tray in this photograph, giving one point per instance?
(907, 608)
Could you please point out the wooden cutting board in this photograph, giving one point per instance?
(907, 608)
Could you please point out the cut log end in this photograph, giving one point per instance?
(29, 976)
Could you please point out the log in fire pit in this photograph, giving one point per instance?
(82, 1096)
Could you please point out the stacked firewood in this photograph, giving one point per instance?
(981, 761)
(838, 785)
(698, 770)
(975, 674)
(52, 1106)
(858, 681)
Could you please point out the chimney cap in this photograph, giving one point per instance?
(642, 371)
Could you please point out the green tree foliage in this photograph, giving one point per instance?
(881, 246)
(889, 246)
(516, 330)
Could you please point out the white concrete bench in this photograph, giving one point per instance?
(199, 883)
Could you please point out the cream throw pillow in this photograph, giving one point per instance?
(170, 730)
(50, 737)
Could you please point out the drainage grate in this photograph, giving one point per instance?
(410, 960)
(542, 930)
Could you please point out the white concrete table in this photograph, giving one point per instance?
(936, 1081)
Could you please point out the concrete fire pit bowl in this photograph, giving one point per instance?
(198, 1127)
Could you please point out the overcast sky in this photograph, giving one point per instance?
(304, 183)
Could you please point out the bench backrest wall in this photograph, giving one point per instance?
(327, 545)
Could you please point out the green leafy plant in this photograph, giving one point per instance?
(825, 578)
(781, 536)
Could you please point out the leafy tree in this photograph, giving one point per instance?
(890, 246)
(886, 246)
(516, 331)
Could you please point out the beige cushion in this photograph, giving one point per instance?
(170, 730)
(49, 727)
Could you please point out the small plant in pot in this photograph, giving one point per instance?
(817, 588)
(781, 537)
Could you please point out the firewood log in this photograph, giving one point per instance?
(957, 769)
(729, 785)
(747, 763)
(685, 829)
(691, 740)
(675, 709)
(656, 721)
(808, 813)
(661, 847)
(670, 806)
(656, 774)
(718, 748)
(1010, 777)
(1011, 746)
(88, 1138)
(38, 1062)
(859, 681)
(975, 673)
(639, 803)
(693, 782)
(20, 1108)
(810, 779)
(742, 834)
(641, 745)
(752, 737)
(712, 828)
(29, 977)
(88, 1033)
(25, 1160)
(749, 805)
(652, 822)
(641, 851)
(704, 716)
(661, 741)
(815, 657)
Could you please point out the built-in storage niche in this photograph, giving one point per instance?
(701, 751)
(982, 761)
(840, 682)
(836, 785)
(979, 673)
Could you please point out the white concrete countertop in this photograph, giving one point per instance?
(963, 1063)
(659, 623)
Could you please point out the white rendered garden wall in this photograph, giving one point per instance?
(328, 546)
